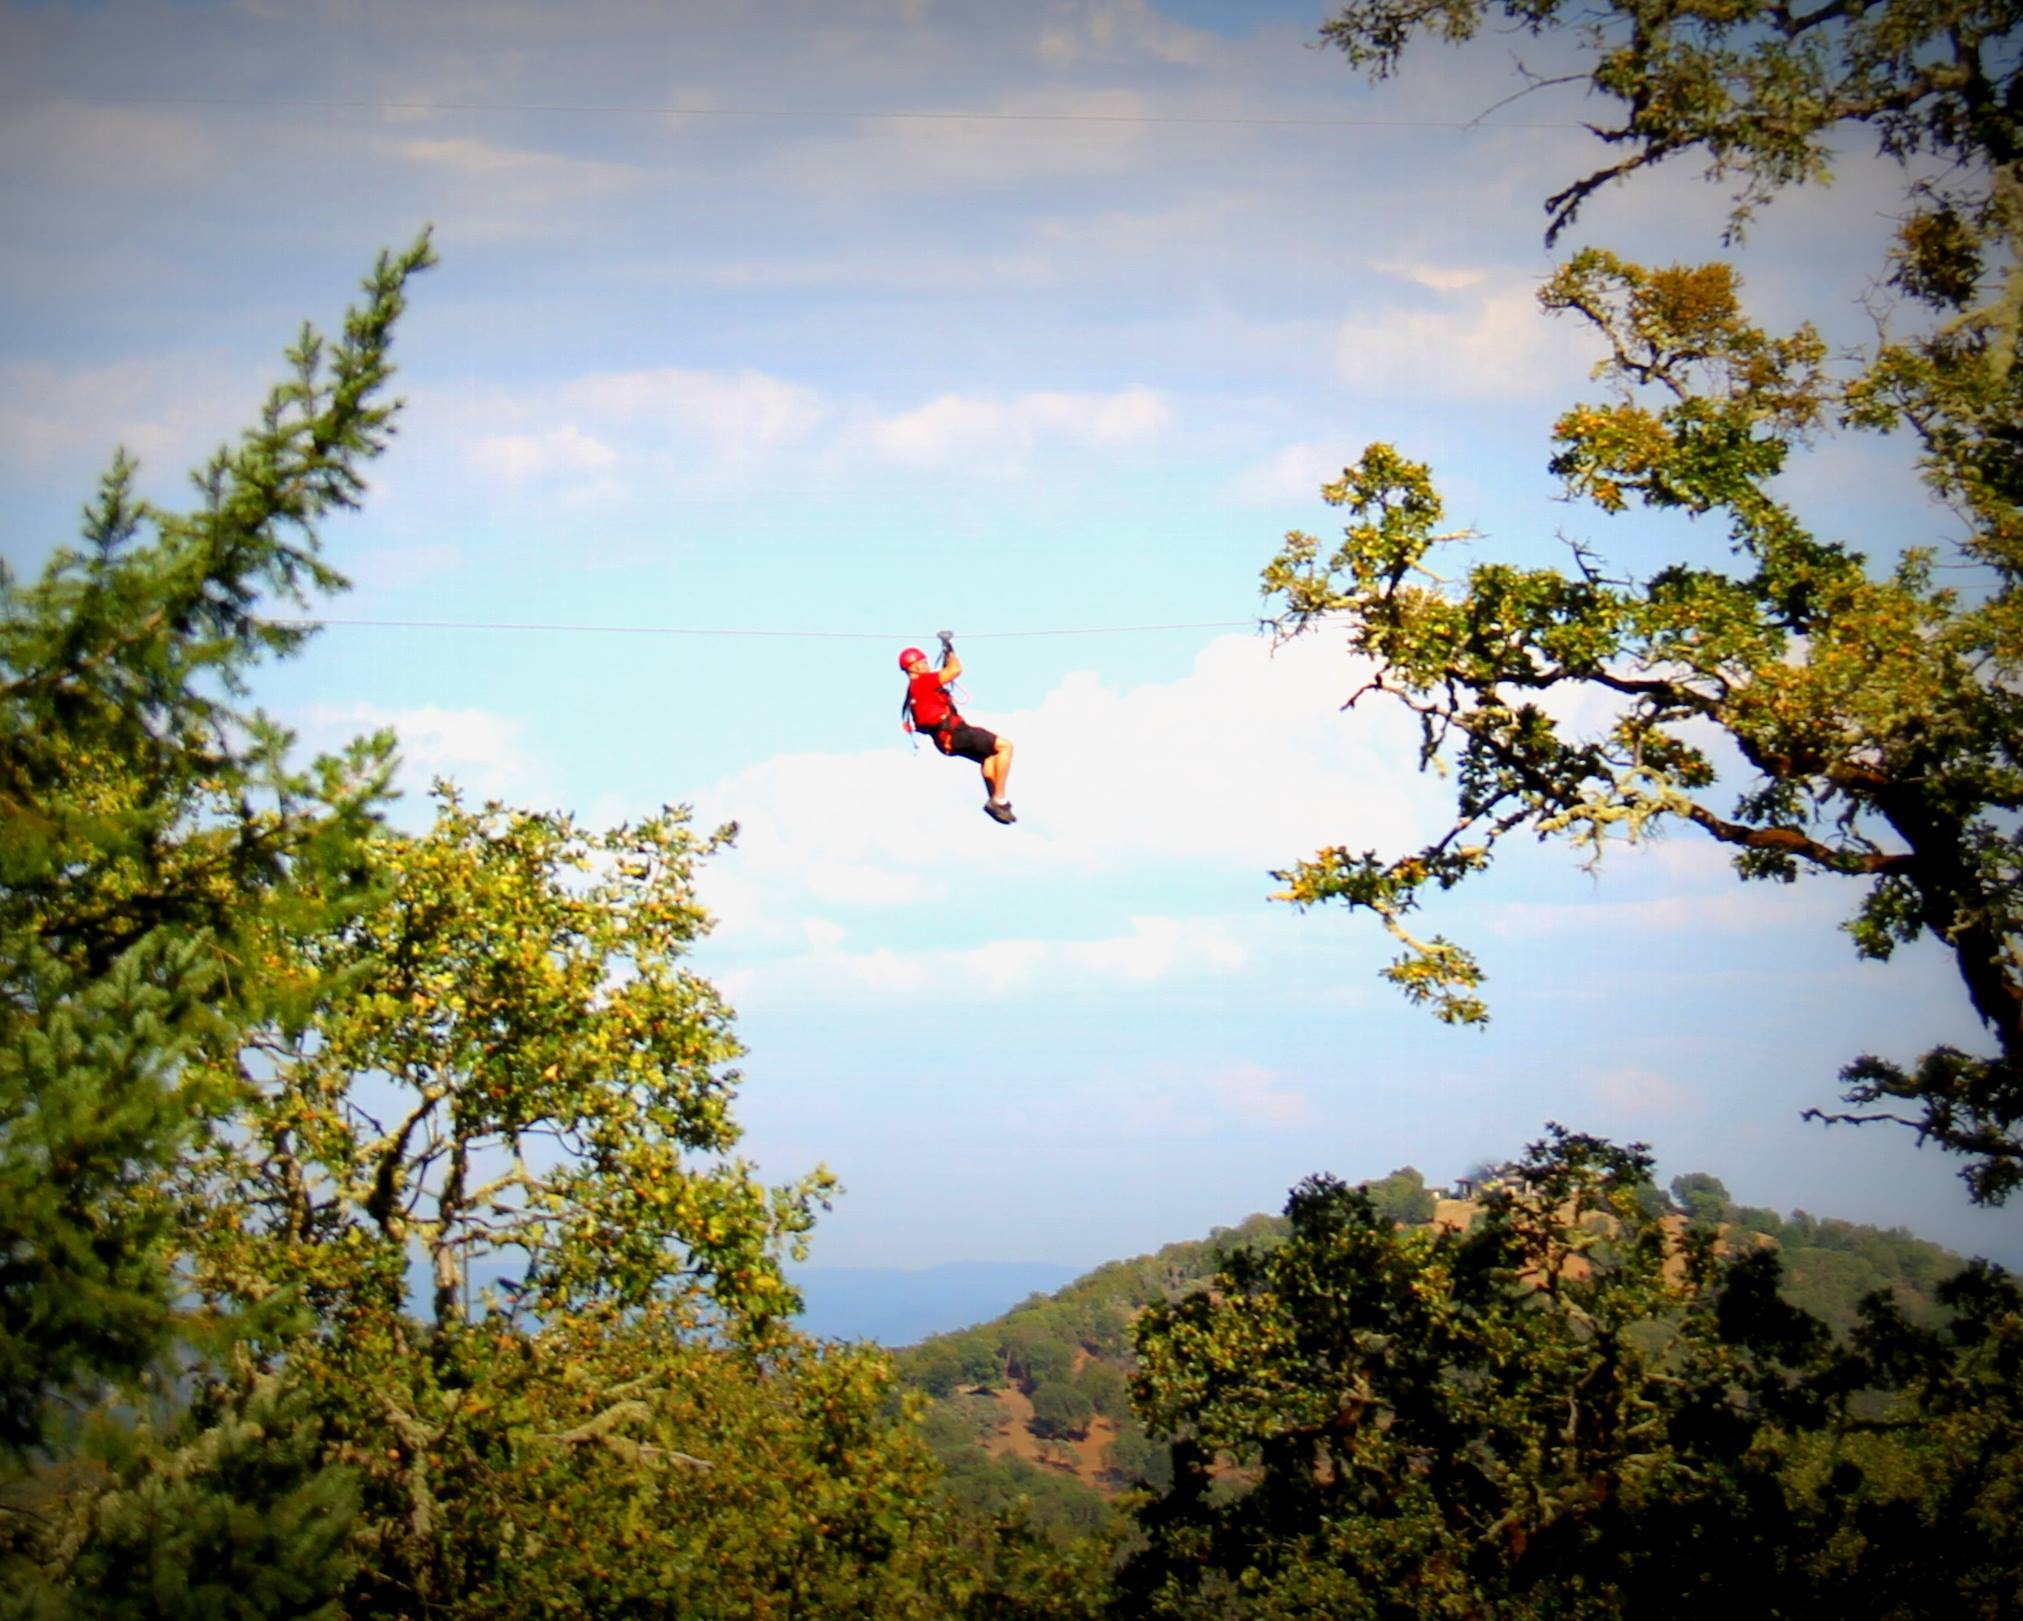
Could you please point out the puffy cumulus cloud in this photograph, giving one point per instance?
(1248, 759)
(564, 452)
(97, 147)
(1250, 1093)
(477, 748)
(727, 426)
(629, 432)
(822, 965)
(723, 409)
(169, 410)
(526, 178)
(1735, 908)
(1441, 278)
(1156, 947)
(1482, 340)
(1243, 1099)
(1072, 34)
(1243, 764)
(1295, 472)
(1002, 433)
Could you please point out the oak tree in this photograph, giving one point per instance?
(1873, 702)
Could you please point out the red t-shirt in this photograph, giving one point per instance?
(929, 698)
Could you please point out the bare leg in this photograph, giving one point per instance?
(997, 769)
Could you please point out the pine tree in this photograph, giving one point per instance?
(151, 833)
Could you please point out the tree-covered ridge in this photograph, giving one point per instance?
(1032, 1406)
(1573, 1407)
(1034, 1402)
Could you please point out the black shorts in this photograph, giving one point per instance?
(970, 742)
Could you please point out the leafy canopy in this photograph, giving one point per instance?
(1875, 705)
(414, 1152)
(1575, 1408)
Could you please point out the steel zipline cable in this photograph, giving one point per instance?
(732, 631)
(1480, 123)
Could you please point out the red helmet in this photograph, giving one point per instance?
(906, 658)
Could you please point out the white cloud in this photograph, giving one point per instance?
(169, 410)
(528, 179)
(1243, 764)
(1156, 947)
(822, 934)
(1295, 472)
(725, 410)
(1252, 1094)
(627, 432)
(1248, 759)
(519, 458)
(1111, 28)
(1490, 344)
(858, 883)
(89, 146)
(1630, 1092)
(1001, 433)
(478, 748)
(1440, 278)
(1156, 950)
(1737, 908)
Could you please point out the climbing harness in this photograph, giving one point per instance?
(942, 729)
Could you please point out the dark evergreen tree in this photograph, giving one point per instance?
(234, 1512)
(151, 834)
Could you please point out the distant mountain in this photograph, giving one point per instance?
(895, 1306)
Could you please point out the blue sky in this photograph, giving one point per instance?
(783, 360)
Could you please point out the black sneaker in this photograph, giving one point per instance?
(999, 813)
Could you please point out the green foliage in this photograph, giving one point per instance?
(1061, 1408)
(1106, 1388)
(234, 1513)
(1402, 1197)
(1374, 1421)
(1703, 1198)
(1762, 91)
(1876, 707)
(1139, 1460)
(152, 835)
(937, 1368)
(257, 1043)
(1036, 1357)
(1013, 1491)
(1829, 1267)
(509, 1060)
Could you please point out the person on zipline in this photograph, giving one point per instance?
(929, 708)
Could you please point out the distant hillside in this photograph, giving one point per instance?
(1033, 1403)
(893, 1306)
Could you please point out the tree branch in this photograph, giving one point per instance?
(1791, 841)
